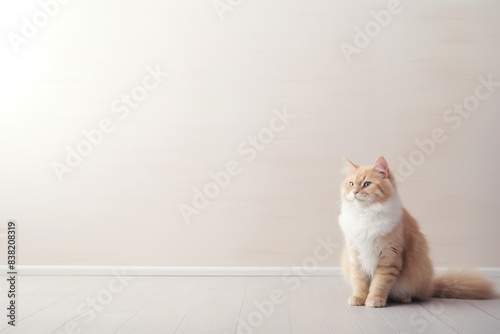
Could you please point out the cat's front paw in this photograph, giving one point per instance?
(375, 302)
(356, 301)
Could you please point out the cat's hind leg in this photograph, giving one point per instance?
(400, 293)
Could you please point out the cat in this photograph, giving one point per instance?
(386, 256)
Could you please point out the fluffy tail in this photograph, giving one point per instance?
(462, 284)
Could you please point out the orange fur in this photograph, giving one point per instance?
(403, 270)
(462, 284)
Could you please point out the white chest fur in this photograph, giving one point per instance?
(365, 226)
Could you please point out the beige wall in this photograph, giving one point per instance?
(120, 205)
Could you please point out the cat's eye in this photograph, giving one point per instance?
(366, 184)
(351, 184)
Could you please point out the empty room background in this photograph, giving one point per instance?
(189, 133)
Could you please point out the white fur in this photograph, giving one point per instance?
(363, 224)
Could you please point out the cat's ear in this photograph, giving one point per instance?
(349, 166)
(381, 166)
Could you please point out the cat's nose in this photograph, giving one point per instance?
(355, 192)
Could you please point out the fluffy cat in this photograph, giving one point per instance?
(386, 255)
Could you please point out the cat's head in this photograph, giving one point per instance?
(365, 186)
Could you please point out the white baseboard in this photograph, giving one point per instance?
(171, 271)
(190, 271)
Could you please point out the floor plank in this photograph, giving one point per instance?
(50, 318)
(341, 320)
(306, 313)
(492, 306)
(125, 299)
(47, 295)
(189, 305)
(213, 312)
(411, 318)
(230, 305)
(165, 311)
(264, 308)
(29, 284)
(462, 316)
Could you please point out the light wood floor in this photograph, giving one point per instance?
(193, 305)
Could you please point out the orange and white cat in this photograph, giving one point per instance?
(386, 255)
